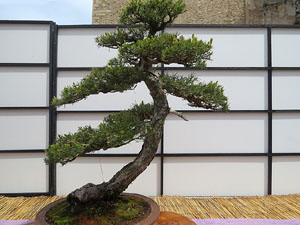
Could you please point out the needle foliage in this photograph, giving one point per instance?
(141, 46)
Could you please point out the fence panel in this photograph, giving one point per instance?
(238, 87)
(97, 170)
(77, 48)
(24, 43)
(25, 61)
(285, 47)
(251, 150)
(23, 173)
(286, 175)
(212, 176)
(236, 47)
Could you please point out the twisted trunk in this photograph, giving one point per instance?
(121, 180)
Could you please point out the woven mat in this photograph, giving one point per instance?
(268, 207)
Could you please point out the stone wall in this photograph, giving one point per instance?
(272, 11)
(213, 11)
(297, 11)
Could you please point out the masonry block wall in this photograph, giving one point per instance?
(213, 11)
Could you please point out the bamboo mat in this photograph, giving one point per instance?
(267, 207)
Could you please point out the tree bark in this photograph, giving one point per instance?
(122, 179)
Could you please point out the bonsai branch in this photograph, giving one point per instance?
(179, 114)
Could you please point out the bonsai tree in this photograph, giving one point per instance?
(141, 46)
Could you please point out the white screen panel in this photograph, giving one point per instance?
(77, 48)
(69, 123)
(24, 43)
(285, 47)
(88, 170)
(23, 173)
(110, 101)
(285, 175)
(216, 133)
(238, 87)
(222, 176)
(286, 91)
(23, 129)
(286, 130)
(236, 47)
(24, 86)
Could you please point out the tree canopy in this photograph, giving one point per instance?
(141, 46)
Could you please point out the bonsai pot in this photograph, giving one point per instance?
(152, 217)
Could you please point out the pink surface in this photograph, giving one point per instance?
(15, 222)
(245, 222)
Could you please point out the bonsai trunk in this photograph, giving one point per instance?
(121, 180)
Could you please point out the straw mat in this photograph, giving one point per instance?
(267, 207)
(19, 208)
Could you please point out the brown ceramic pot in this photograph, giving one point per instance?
(155, 211)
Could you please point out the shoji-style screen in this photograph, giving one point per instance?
(77, 48)
(253, 149)
(286, 106)
(74, 62)
(236, 47)
(24, 106)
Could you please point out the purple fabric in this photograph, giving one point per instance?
(15, 222)
(246, 222)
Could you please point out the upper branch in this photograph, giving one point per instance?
(168, 48)
(116, 130)
(115, 77)
(208, 96)
(121, 36)
(154, 15)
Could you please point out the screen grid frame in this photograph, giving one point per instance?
(53, 70)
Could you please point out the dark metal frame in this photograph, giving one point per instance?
(52, 109)
(53, 69)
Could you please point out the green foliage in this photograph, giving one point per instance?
(167, 48)
(116, 130)
(208, 96)
(119, 37)
(140, 47)
(116, 77)
(152, 15)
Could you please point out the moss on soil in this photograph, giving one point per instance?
(126, 210)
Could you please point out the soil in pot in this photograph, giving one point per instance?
(126, 210)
